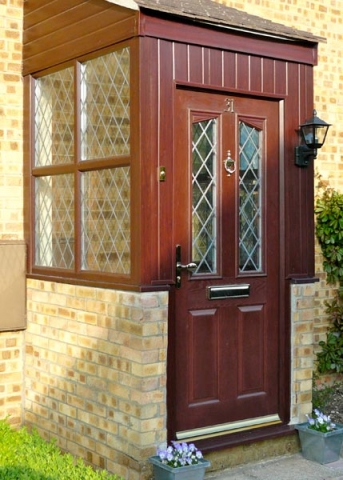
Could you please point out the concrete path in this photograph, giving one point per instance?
(290, 467)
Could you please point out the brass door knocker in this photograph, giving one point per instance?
(229, 164)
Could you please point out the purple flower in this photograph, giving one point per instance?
(320, 422)
(179, 454)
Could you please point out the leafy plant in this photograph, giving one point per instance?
(331, 356)
(329, 231)
(28, 456)
(334, 309)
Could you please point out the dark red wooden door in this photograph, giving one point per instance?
(226, 221)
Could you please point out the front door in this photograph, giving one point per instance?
(227, 319)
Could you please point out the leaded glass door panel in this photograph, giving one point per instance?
(226, 219)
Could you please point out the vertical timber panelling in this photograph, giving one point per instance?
(243, 72)
(157, 152)
(307, 188)
(180, 62)
(196, 64)
(268, 73)
(299, 181)
(239, 72)
(166, 102)
(292, 174)
(280, 80)
(229, 70)
(256, 77)
(148, 151)
(215, 67)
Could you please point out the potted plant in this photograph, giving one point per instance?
(179, 461)
(320, 439)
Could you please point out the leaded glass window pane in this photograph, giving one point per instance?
(250, 199)
(102, 204)
(105, 106)
(54, 118)
(204, 214)
(54, 223)
(105, 206)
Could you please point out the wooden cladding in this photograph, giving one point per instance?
(208, 69)
(56, 31)
(173, 53)
(229, 70)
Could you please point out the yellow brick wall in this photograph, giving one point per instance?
(11, 118)
(95, 372)
(11, 190)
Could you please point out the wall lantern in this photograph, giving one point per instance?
(314, 133)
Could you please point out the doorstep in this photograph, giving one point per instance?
(252, 451)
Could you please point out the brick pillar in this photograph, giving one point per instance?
(302, 318)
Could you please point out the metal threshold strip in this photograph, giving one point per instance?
(226, 428)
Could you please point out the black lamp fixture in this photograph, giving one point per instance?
(314, 133)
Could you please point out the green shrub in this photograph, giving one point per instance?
(331, 356)
(329, 231)
(26, 456)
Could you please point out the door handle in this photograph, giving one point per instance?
(190, 267)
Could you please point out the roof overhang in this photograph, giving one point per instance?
(217, 15)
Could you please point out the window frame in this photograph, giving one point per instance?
(77, 167)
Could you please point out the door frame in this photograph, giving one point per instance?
(255, 434)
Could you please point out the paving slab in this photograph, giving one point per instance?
(289, 467)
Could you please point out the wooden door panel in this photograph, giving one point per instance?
(251, 351)
(203, 357)
(226, 350)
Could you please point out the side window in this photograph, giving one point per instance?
(204, 194)
(81, 167)
(250, 197)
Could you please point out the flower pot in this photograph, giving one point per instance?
(318, 446)
(190, 472)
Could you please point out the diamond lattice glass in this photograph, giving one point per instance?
(105, 206)
(105, 106)
(204, 238)
(54, 224)
(250, 199)
(54, 118)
